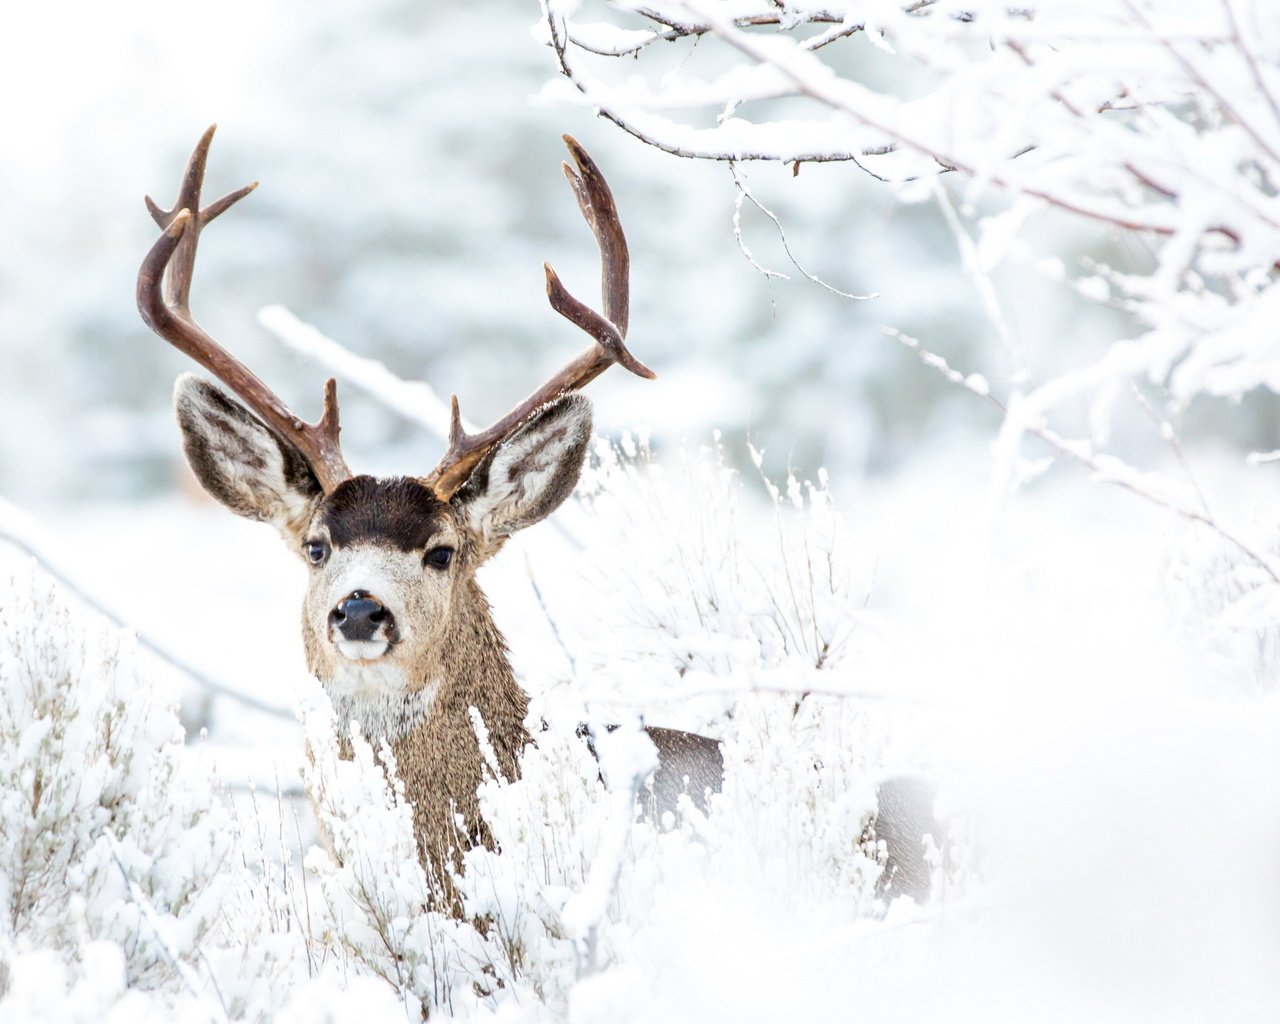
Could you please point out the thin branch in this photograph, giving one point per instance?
(743, 248)
(542, 603)
(156, 647)
(744, 192)
(1256, 71)
(1077, 453)
(686, 152)
(136, 896)
(674, 31)
(1170, 436)
(248, 787)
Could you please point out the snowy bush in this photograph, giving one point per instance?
(378, 899)
(1124, 156)
(700, 597)
(133, 890)
(113, 844)
(576, 889)
(750, 624)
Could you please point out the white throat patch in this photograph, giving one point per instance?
(383, 715)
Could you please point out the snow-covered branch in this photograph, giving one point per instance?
(413, 400)
(1143, 118)
(21, 532)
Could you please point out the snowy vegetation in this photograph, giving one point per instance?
(132, 889)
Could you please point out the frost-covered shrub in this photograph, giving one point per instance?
(112, 843)
(1227, 601)
(547, 827)
(131, 892)
(716, 618)
(376, 895)
(701, 597)
(263, 956)
(752, 634)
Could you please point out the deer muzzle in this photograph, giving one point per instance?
(361, 627)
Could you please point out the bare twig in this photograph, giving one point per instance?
(542, 603)
(1082, 455)
(744, 192)
(156, 647)
(1170, 436)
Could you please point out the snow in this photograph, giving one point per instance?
(1104, 773)
(1062, 619)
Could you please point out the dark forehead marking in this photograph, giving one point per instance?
(401, 511)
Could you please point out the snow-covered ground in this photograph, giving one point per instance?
(1103, 748)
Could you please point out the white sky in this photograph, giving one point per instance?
(61, 63)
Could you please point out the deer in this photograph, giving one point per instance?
(394, 623)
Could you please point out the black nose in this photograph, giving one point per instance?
(358, 616)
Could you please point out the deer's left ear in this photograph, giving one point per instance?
(528, 476)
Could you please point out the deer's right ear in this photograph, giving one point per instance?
(240, 462)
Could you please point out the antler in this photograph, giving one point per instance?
(466, 451)
(164, 287)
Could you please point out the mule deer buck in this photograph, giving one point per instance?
(395, 625)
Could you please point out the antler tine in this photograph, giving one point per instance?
(164, 286)
(598, 210)
(467, 451)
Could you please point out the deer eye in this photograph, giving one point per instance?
(316, 551)
(438, 558)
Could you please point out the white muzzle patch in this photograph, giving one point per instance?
(362, 650)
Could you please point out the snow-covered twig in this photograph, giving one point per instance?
(19, 531)
(414, 400)
(1104, 468)
(612, 43)
(190, 980)
(745, 193)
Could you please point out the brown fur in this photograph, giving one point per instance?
(440, 762)
(400, 512)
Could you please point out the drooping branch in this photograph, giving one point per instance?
(1082, 158)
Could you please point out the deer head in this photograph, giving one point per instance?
(392, 596)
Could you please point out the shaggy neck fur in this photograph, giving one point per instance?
(383, 716)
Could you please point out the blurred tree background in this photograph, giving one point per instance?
(410, 190)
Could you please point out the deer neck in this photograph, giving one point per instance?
(476, 673)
